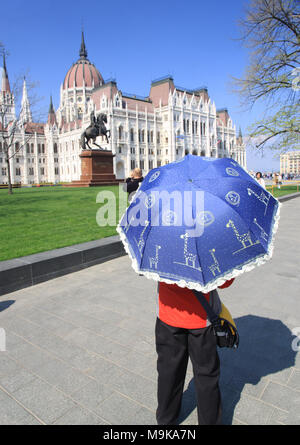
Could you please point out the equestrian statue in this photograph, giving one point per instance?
(95, 129)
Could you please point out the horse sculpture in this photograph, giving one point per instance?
(95, 129)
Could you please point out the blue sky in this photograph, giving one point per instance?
(134, 42)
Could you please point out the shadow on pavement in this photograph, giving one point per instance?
(5, 304)
(265, 349)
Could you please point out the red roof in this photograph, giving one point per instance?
(160, 92)
(34, 127)
(83, 69)
(223, 116)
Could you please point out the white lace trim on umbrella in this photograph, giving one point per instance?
(213, 284)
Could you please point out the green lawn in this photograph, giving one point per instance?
(284, 190)
(38, 219)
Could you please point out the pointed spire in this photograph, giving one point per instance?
(51, 109)
(83, 51)
(25, 95)
(7, 97)
(4, 63)
(25, 114)
(239, 139)
(51, 113)
(5, 82)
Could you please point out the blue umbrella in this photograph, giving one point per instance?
(198, 222)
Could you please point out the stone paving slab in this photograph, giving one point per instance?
(80, 348)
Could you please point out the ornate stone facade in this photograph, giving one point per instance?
(146, 132)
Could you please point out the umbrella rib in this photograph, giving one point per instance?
(232, 207)
(194, 218)
(202, 271)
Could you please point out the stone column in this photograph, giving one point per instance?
(171, 136)
(36, 163)
(207, 128)
(25, 163)
(155, 140)
(146, 158)
(137, 147)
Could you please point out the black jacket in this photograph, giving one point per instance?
(131, 185)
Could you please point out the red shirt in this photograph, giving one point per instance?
(178, 306)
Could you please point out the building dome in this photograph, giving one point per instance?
(83, 72)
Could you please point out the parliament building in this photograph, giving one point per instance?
(146, 132)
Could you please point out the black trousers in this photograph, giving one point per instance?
(174, 346)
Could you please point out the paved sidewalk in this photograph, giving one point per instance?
(80, 348)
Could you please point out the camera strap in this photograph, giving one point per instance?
(212, 316)
(227, 335)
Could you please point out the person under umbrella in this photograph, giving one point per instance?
(183, 331)
(191, 249)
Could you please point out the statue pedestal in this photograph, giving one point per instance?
(96, 169)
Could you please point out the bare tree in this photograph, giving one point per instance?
(9, 131)
(271, 30)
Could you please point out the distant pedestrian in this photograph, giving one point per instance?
(260, 179)
(277, 180)
(133, 181)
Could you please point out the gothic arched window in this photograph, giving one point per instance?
(131, 135)
(120, 132)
